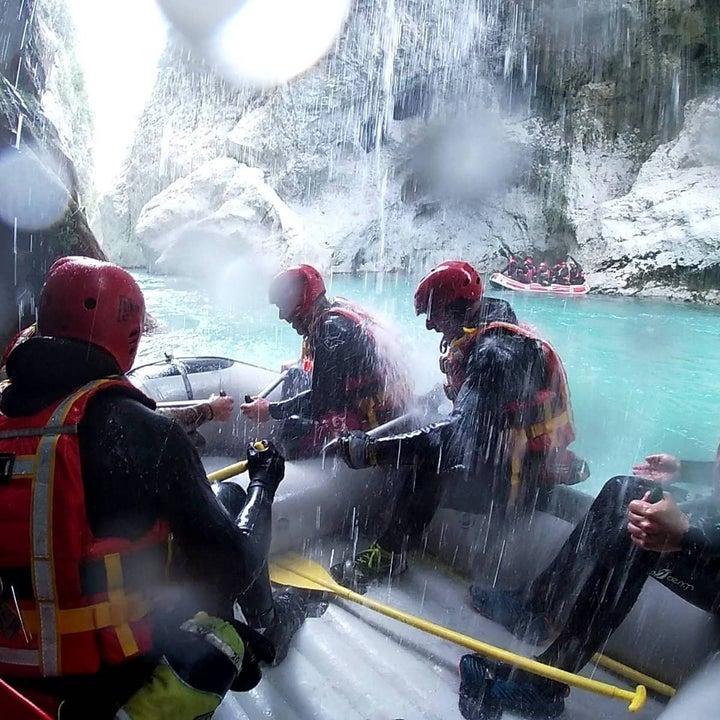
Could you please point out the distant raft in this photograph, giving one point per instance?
(500, 280)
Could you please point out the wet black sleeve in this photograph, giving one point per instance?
(444, 445)
(432, 445)
(703, 537)
(696, 472)
(300, 405)
(138, 468)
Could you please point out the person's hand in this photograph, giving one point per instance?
(288, 364)
(355, 448)
(221, 406)
(257, 410)
(658, 527)
(660, 468)
(266, 466)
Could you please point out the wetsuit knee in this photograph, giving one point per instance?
(232, 497)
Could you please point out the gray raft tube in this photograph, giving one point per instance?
(664, 636)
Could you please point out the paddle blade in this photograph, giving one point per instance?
(297, 571)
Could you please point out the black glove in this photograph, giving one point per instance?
(356, 449)
(266, 467)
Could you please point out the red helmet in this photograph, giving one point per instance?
(452, 280)
(95, 301)
(295, 290)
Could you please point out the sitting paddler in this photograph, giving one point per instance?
(351, 373)
(507, 435)
(510, 270)
(632, 531)
(96, 611)
(544, 276)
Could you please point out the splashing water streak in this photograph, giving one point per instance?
(622, 411)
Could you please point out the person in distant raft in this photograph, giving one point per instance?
(632, 531)
(526, 273)
(511, 269)
(544, 276)
(507, 435)
(95, 487)
(353, 374)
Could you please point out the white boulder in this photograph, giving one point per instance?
(221, 212)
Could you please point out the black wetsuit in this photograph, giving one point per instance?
(139, 467)
(448, 445)
(347, 369)
(342, 352)
(611, 570)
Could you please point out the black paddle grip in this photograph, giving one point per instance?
(656, 494)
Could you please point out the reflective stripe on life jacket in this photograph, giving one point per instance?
(553, 427)
(80, 606)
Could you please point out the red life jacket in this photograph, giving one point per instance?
(553, 429)
(385, 396)
(70, 602)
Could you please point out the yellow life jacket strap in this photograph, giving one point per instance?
(93, 617)
(117, 596)
(516, 463)
(367, 406)
(549, 427)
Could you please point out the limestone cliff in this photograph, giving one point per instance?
(40, 213)
(439, 129)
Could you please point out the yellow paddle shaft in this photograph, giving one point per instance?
(228, 472)
(636, 698)
(635, 675)
(236, 468)
(619, 668)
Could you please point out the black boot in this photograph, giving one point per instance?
(370, 565)
(280, 624)
(488, 688)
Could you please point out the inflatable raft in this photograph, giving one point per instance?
(318, 497)
(355, 663)
(503, 281)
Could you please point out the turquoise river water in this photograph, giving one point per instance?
(643, 374)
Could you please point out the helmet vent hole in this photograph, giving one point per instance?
(90, 303)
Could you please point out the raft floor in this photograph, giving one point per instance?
(353, 663)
